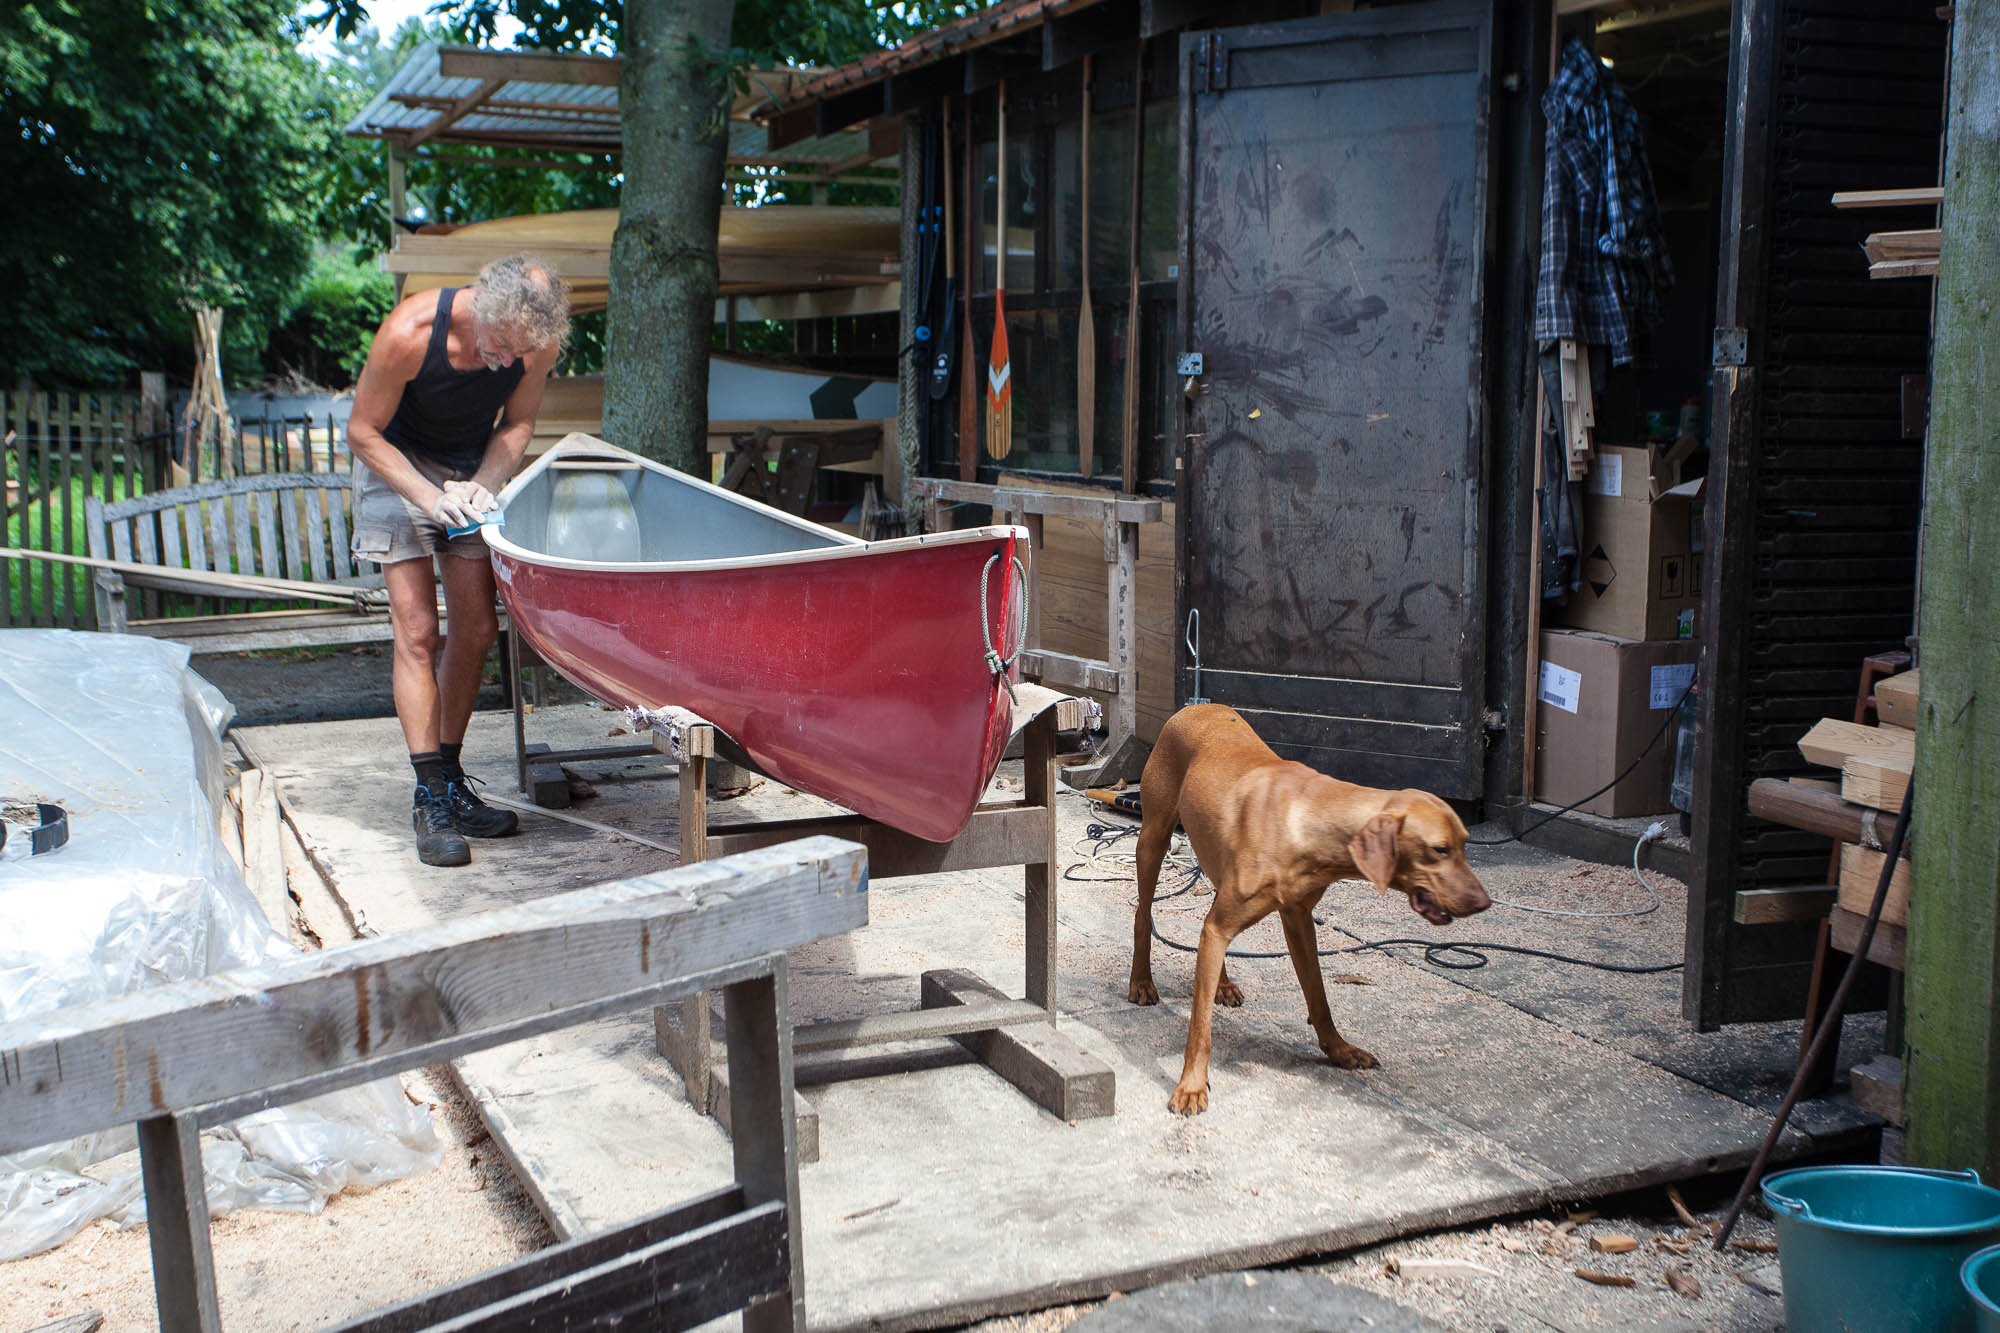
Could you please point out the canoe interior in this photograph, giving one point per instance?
(618, 514)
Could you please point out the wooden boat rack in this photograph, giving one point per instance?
(1016, 1038)
(221, 1047)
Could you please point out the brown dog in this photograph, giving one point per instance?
(1271, 834)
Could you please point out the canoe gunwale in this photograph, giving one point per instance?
(584, 447)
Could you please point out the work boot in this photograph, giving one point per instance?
(438, 843)
(472, 816)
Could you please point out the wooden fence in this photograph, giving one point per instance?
(61, 448)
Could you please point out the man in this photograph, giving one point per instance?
(428, 457)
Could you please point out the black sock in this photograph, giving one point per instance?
(448, 751)
(430, 769)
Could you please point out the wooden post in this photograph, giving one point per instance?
(177, 1224)
(396, 204)
(757, 1023)
(1038, 782)
(1952, 1073)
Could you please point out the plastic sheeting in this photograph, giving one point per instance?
(124, 736)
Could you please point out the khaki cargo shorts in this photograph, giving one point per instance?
(389, 529)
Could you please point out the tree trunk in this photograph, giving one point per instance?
(663, 269)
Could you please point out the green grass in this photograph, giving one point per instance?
(40, 527)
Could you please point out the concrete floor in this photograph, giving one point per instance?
(943, 1195)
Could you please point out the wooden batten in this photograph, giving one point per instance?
(1860, 872)
(1074, 613)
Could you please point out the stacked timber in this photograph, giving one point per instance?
(1874, 765)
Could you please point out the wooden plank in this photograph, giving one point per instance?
(213, 515)
(272, 1034)
(245, 549)
(1068, 672)
(676, 1282)
(264, 513)
(210, 583)
(1893, 247)
(1877, 1087)
(315, 536)
(1006, 835)
(571, 1256)
(1903, 268)
(1765, 907)
(1093, 507)
(338, 545)
(757, 1027)
(291, 517)
(177, 1224)
(1887, 948)
(70, 441)
(849, 1034)
(88, 1322)
(45, 430)
(1821, 812)
(263, 850)
(1832, 740)
(1926, 196)
(1896, 700)
(1054, 1072)
(1881, 784)
(1860, 872)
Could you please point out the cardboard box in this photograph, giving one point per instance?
(1641, 551)
(1601, 699)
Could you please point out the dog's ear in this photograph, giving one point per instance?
(1374, 849)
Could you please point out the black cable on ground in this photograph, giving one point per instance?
(1437, 953)
(1453, 955)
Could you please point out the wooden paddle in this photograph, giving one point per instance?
(1130, 463)
(999, 370)
(1086, 324)
(968, 411)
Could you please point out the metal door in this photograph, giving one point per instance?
(1333, 231)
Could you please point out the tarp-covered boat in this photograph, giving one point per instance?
(862, 672)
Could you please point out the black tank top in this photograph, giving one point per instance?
(447, 414)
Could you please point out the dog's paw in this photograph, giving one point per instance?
(1189, 1101)
(1141, 991)
(1351, 1057)
(1228, 994)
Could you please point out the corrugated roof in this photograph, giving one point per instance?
(573, 108)
(974, 30)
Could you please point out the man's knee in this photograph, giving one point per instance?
(418, 643)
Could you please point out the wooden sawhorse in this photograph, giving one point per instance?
(1016, 1038)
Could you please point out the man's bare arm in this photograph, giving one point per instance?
(394, 359)
(517, 422)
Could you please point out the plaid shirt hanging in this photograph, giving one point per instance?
(1604, 265)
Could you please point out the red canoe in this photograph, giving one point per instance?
(857, 671)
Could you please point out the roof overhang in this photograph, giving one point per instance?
(549, 102)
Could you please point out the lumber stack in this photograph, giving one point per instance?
(1874, 765)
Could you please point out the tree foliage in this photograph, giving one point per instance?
(158, 156)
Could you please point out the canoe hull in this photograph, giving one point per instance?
(860, 676)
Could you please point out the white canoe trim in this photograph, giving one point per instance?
(844, 547)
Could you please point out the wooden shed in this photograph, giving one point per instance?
(1306, 235)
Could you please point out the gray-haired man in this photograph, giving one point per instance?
(442, 413)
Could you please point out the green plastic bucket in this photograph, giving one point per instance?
(1981, 1276)
(1879, 1248)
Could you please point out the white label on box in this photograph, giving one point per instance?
(1669, 683)
(1607, 475)
(1561, 687)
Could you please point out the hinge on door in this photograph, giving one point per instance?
(1218, 69)
(1202, 43)
(1732, 347)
